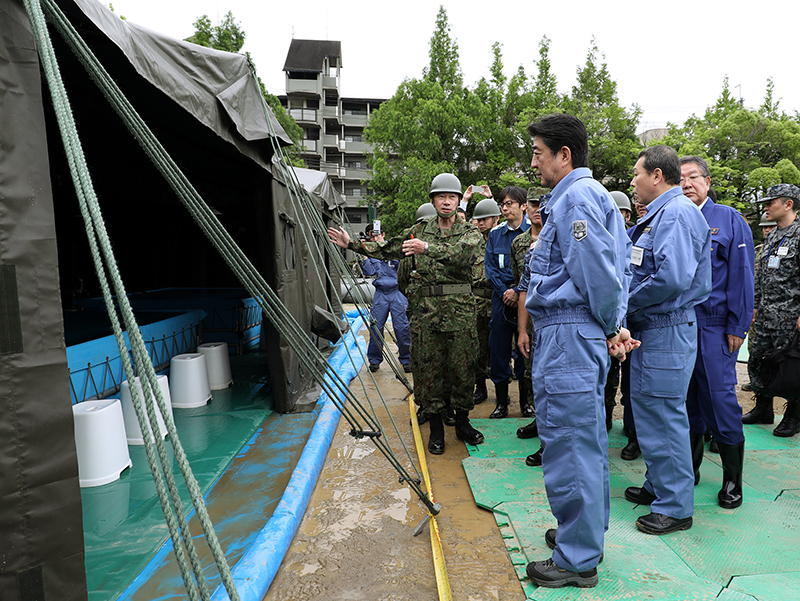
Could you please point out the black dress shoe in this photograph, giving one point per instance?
(373, 367)
(535, 460)
(407, 368)
(529, 431)
(631, 450)
(658, 523)
(500, 411)
(748, 387)
(713, 447)
(639, 495)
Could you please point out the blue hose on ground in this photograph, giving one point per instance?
(256, 569)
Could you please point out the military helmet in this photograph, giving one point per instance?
(425, 210)
(486, 208)
(622, 200)
(765, 222)
(445, 183)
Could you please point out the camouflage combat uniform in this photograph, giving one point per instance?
(482, 290)
(441, 310)
(777, 298)
(520, 250)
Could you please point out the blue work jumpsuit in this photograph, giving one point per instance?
(576, 298)
(671, 265)
(711, 400)
(503, 325)
(387, 299)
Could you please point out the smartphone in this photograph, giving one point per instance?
(478, 189)
(376, 227)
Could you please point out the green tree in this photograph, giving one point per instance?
(421, 131)
(747, 150)
(544, 100)
(613, 143)
(229, 37)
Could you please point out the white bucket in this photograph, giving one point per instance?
(188, 374)
(100, 441)
(218, 363)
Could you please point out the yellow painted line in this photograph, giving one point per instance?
(442, 581)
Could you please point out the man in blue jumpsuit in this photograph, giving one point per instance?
(503, 325)
(671, 265)
(388, 298)
(722, 324)
(576, 299)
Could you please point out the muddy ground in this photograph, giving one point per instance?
(356, 540)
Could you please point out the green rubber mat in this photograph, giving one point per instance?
(123, 522)
(733, 555)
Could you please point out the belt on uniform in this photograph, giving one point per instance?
(444, 289)
(483, 292)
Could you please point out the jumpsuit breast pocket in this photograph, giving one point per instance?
(642, 258)
(540, 255)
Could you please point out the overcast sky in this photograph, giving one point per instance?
(670, 58)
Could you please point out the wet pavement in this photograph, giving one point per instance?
(356, 540)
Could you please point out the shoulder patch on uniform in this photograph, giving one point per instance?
(714, 231)
(580, 229)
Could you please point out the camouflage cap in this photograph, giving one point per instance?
(782, 191)
(535, 193)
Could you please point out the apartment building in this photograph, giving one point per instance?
(333, 127)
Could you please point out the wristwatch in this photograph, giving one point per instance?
(612, 334)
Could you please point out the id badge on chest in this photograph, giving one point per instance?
(637, 254)
(774, 262)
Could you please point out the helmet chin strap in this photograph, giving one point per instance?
(446, 215)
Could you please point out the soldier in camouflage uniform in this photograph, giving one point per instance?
(777, 303)
(519, 250)
(486, 215)
(441, 306)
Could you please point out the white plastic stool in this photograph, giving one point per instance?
(100, 441)
(188, 375)
(131, 422)
(219, 364)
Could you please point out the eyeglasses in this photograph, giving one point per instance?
(507, 204)
(692, 178)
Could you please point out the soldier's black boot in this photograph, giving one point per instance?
(790, 424)
(421, 417)
(480, 394)
(501, 392)
(631, 450)
(697, 442)
(449, 416)
(464, 430)
(762, 413)
(436, 441)
(730, 495)
(525, 397)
